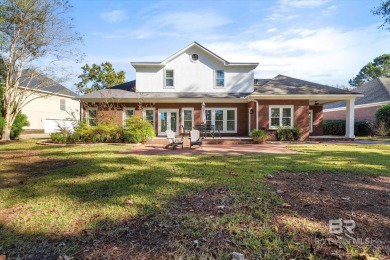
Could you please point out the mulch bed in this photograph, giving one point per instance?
(315, 198)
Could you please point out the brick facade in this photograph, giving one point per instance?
(361, 114)
(244, 115)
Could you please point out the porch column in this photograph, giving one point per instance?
(350, 118)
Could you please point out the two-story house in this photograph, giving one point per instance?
(171, 94)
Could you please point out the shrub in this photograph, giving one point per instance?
(382, 130)
(334, 127)
(337, 127)
(137, 130)
(17, 127)
(260, 135)
(59, 137)
(383, 115)
(287, 134)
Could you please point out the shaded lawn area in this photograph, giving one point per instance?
(96, 202)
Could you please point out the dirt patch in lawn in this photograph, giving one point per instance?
(312, 199)
(167, 235)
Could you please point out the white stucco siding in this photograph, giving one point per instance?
(48, 107)
(197, 76)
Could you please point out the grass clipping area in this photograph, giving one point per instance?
(99, 202)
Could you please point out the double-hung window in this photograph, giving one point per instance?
(188, 118)
(169, 79)
(281, 116)
(62, 104)
(149, 115)
(223, 119)
(127, 113)
(92, 116)
(219, 78)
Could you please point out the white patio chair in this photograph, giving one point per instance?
(171, 136)
(195, 138)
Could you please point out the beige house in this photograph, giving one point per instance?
(49, 105)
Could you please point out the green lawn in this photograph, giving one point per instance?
(90, 200)
(374, 138)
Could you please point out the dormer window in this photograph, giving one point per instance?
(219, 78)
(169, 82)
(194, 57)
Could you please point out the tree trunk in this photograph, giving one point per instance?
(6, 134)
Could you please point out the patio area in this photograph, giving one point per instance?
(213, 149)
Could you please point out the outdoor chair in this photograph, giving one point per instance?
(195, 138)
(172, 140)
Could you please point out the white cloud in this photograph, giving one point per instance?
(270, 30)
(325, 55)
(173, 24)
(114, 16)
(303, 3)
(329, 10)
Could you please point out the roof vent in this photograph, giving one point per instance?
(194, 57)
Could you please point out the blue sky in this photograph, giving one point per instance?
(325, 41)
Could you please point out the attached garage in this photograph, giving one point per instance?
(54, 125)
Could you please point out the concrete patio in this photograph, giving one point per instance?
(214, 149)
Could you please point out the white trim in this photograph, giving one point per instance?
(165, 78)
(225, 62)
(154, 115)
(335, 97)
(87, 115)
(359, 106)
(311, 121)
(168, 111)
(280, 115)
(124, 114)
(182, 115)
(224, 124)
(48, 92)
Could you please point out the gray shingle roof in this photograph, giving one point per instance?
(114, 93)
(280, 85)
(41, 82)
(284, 85)
(376, 90)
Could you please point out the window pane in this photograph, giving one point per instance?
(149, 116)
(220, 74)
(218, 115)
(129, 113)
(169, 82)
(286, 112)
(164, 122)
(92, 113)
(219, 125)
(230, 114)
(220, 82)
(286, 121)
(208, 115)
(275, 112)
(230, 125)
(174, 121)
(188, 115)
(187, 125)
(169, 73)
(274, 121)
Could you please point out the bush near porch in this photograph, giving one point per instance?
(337, 127)
(136, 130)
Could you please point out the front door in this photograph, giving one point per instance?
(168, 119)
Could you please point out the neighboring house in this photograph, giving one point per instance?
(49, 104)
(170, 94)
(376, 94)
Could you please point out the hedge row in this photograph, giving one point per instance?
(337, 127)
(136, 131)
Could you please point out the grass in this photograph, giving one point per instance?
(78, 200)
(374, 138)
